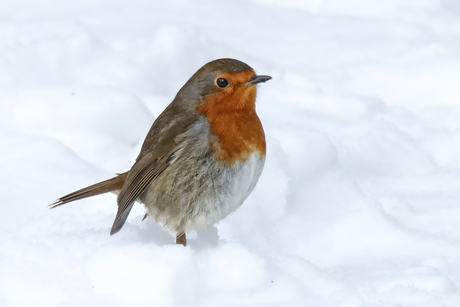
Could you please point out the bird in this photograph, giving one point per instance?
(201, 158)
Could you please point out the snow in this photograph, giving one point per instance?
(358, 204)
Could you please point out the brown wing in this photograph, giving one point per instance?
(155, 156)
(140, 176)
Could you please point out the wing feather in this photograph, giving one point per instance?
(141, 175)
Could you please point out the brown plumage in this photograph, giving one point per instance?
(201, 158)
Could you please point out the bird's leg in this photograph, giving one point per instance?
(181, 239)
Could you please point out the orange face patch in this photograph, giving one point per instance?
(236, 130)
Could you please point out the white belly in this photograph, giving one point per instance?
(196, 190)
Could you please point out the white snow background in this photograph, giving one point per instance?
(358, 204)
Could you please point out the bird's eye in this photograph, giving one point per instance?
(222, 82)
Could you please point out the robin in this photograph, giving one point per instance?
(201, 158)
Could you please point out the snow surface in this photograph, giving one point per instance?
(358, 204)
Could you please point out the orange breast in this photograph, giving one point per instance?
(236, 130)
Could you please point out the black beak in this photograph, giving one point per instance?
(258, 79)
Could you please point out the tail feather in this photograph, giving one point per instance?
(109, 185)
